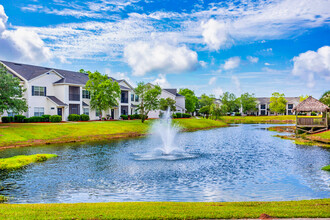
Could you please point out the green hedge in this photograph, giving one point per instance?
(135, 116)
(124, 117)
(55, 118)
(46, 118)
(19, 118)
(237, 114)
(186, 115)
(74, 117)
(84, 117)
(7, 119)
(35, 119)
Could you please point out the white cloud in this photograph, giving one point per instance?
(215, 34)
(252, 59)
(268, 64)
(145, 57)
(311, 65)
(120, 76)
(218, 92)
(21, 44)
(212, 80)
(203, 63)
(162, 81)
(232, 63)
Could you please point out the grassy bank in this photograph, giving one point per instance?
(321, 139)
(326, 168)
(20, 161)
(167, 210)
(280, 119)
(12, 134)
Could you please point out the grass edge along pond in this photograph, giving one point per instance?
(16, 162)
(326, 168)
(318, 208)
(21, 134)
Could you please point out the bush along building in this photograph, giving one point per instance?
(52, 91)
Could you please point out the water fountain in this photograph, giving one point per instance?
(168, 149)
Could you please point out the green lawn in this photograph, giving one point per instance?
(17, 162)
(259, 119)
(323, 135)
(167, 210)
(44, 133)
(326, 168)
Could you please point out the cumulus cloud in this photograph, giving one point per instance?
(212, 80)
(252, 59)
(313, 64)
(21, 44)
(231, 63)
(215, 34)
(120, 76)
(162, 81)
(145, 57)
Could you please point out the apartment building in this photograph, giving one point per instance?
(61, 92)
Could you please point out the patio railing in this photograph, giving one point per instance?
(310, 121)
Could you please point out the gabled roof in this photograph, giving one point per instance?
(266, 100)
(56, 101)
(173, 91)
(311, 105)
(29, 72)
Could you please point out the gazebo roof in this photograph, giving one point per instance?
(311, 105)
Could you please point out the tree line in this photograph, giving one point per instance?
(104, 94)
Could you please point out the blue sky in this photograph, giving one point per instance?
(209, 46)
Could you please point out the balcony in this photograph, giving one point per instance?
(74, 97)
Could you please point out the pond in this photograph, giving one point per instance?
(239, 163)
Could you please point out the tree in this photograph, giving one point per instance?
(190, 99)
(205, 110)
(149, 98)
(277, 103)
(231, 101)
(215, 111)
(325, 99)
(248, 102)
(164, 104)
(11, 93)
(103, 91)
(302, 98)
(206, 100)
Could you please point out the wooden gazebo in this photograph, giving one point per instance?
(312, 124)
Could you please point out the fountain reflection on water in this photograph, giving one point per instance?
(164, 130)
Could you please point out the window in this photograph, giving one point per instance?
(132, 97)
(86, 94)
(86, 111)
(290, 106)
(74, 109)
(124, 97)
(38, 91)
(263, 106)
(39, 111)
(136, 98)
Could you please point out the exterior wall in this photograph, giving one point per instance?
(180, 104)
(165, 95)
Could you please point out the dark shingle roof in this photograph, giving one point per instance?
(266, 100)
(173, 91)
(29, 72)
(57, 101)
(85, 104)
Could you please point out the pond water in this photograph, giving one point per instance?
(241, 163)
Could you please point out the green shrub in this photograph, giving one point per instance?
(19, 118)
(36, 119)
(46, 118)
(186, 115)
(55, 118)
(178, 115)
(74, 117)
(3, 199)
(137, 116)
(237, 114)
(124, 117)
(174, 116)
(7, 119)
(313, 113)
(84, 117)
